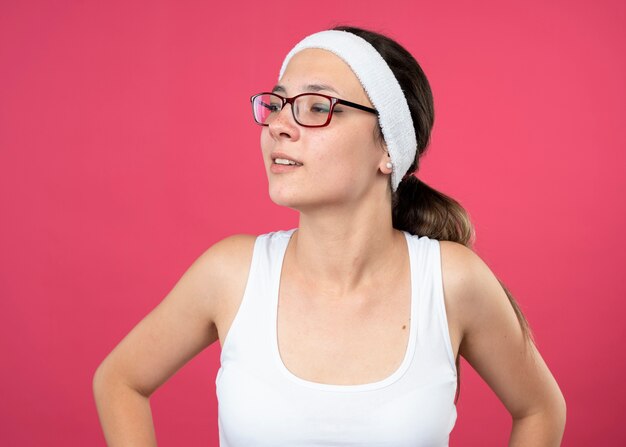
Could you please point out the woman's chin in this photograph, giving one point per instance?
(294, 199)
(288, 200)
(307, 198)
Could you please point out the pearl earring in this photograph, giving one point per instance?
(389, 165)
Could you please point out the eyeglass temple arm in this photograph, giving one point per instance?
(357, 106)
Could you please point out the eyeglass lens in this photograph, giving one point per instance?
(308, 109)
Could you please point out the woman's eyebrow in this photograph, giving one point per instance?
(307, 88)
(319, 87)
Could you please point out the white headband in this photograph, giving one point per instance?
(380, 85)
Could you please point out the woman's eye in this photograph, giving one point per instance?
(319, 108)
(272, 107)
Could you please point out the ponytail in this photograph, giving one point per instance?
(420, 209)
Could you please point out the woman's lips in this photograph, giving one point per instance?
(283, 163)
(279, 169)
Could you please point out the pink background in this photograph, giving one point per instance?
(127, 148)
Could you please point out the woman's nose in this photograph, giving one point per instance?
(284, 125)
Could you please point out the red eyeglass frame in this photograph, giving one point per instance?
(333, 102)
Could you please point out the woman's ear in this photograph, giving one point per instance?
(385, 165)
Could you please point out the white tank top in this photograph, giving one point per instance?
(261, 403)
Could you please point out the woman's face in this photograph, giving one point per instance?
(340, 163)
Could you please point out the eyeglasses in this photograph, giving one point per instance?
(308, 109)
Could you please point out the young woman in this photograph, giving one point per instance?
(348, 329)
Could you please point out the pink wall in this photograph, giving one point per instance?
(127, 147)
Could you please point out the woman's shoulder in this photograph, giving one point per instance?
(223, 268)
(230, 255)
(457, 260)
(470, 287)
(463, 269)
(235, 241)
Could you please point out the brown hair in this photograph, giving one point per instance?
(416, 207)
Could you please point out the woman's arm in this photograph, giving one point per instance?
(181, 326)
(494, 344)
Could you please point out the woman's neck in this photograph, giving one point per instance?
(344, 251)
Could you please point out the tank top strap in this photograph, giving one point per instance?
(432, 324)
(248, 339)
